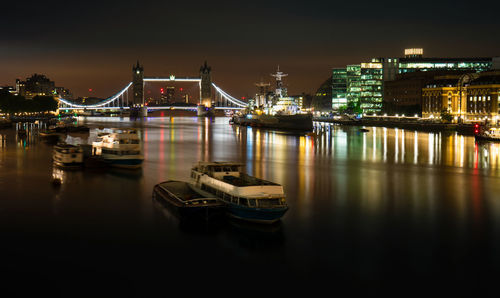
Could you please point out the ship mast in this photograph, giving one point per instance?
(279, 83)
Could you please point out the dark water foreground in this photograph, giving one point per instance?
(391, 212)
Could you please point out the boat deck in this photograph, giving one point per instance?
(246, 180)
(180, 190)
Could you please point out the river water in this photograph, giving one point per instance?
(386, 211)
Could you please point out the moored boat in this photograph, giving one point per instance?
(186, 201)
(487, 134)
(247, 197)
(67, 155)
(299, 122)
(121, 148)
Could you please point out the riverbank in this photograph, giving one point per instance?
(465, 129)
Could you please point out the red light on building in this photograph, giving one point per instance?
(243, 97)
(180, 89)
(161, 90)
(90, 89)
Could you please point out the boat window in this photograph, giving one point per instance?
(227, 169)
(268, 202)
(243, 201)
(217, 169)
(234, 168)
(251, 202)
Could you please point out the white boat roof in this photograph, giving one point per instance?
(219, 163)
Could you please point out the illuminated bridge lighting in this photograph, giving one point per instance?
(106, 104)
(229, 97)
(170, 79)
(101, 104)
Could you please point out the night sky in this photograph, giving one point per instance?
(93, 44)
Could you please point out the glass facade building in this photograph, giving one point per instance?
(371, 84)
(339, 88)
(353, 83)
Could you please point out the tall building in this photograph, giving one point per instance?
(353, 83)
(138, 84)
(371, 85)
(339, 88)
(167, 95)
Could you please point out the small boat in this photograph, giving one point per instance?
(186, 201)
(247, 197)
(121, 148)
(487, 134)
(67, 156)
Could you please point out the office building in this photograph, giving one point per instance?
(339, 88)
(371, 85)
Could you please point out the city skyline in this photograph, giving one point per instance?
(90, 46)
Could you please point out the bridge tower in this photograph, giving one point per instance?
(138, 84)
(206, 85)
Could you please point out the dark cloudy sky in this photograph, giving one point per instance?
(93, 44)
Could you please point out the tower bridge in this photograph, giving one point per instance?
(132, 95)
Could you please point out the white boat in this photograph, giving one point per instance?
(247, 197)
(120, 148)
(487, 134)
(67, 155)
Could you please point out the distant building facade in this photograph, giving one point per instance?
(403, 95)
(35, 85)
(472, 100)
(375, 76)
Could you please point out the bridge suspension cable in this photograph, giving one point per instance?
(108, 100)
(115, 99)
(229, 97)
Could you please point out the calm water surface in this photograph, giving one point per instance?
(387, 211)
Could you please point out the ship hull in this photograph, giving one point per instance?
(129, 163)
(486, 138)
(301, 122)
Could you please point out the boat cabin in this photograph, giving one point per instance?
(218, 169)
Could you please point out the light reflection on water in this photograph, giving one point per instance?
(405, 195)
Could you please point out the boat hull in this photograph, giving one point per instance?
(131, 163)
(68, 165)
(259, 215)
(204, 212)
